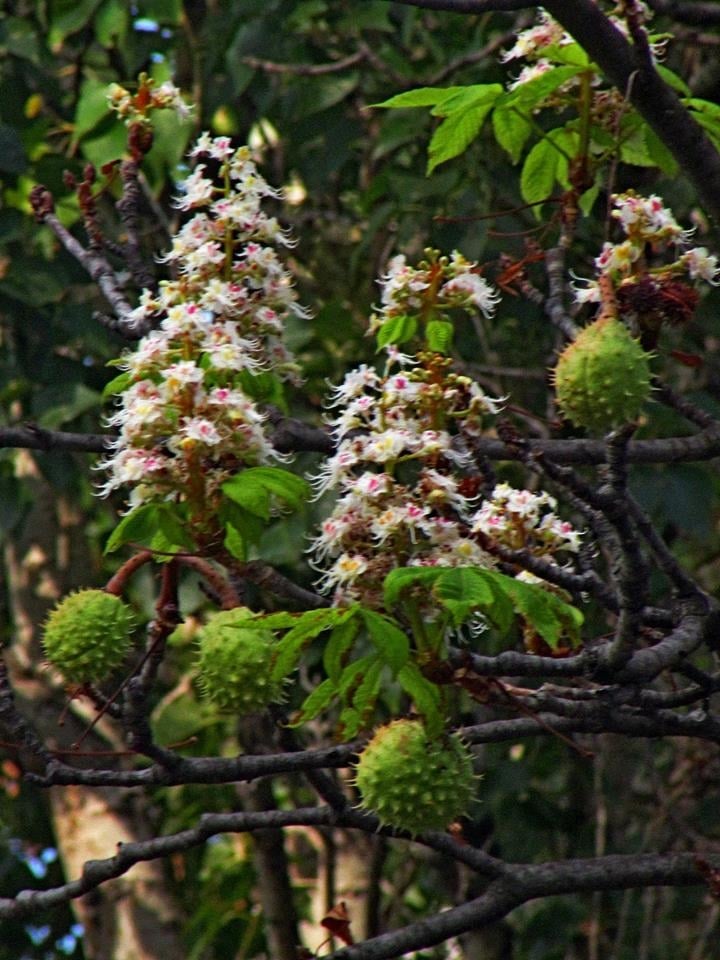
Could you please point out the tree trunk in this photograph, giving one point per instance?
(134, 917)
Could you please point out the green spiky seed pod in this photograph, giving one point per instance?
(414, 783)
(88, 635)
(603, 378)
(236, 663)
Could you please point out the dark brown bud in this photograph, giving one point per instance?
(42, 202)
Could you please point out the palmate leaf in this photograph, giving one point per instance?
(307, 626)
(357, 716)
(315, 703)
(356, 684)
(160, 526)
(338, 646)
(512, 129)
(396, 330)
(549, 615)
(464, 117)
(466, 591)
(253, 489)
(391, 642)
(404, 578)
(422, 97)
(538, 173)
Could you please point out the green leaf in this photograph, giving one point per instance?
(351, 676)
(235, 543)
(660, 153)
(545, 612)
(460, 128)
(424, 695)
(439, 336)
(464, 591)
(422, 97)
(588, 199)
(339, 643)
(308, 626)
(282, 620)
(247, 524)
(107, 146)
(538, 173)
(703, 106)
(176, 719)
(253, 497)
(117, 385)
(139, 526)
(111, 22)
(511, 129)
(673, 80)
(405, 578)
(466, 98)
(567, 53)
(365, 697)
(164, 11)
(14, 500)
(252, 489)
(391, 642)
(92, 107)
(20, 39)
(173, 529)
(711, 127)
(634, 149)
(396, 330)
(68, 16)
(159, 526)
(315, 703)
(349, 723)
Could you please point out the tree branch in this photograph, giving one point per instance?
(524, 882)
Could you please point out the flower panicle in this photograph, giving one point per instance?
(655, 271)
(187, 418)
(402, 469)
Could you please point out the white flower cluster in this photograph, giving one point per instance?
(187, 419)
(531, 43)
(399, 469)
(650, 228)
(438, 283)
(542, 46)
(523, 520)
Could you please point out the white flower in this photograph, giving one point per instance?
(474, 289)
(590, 293)
(354, 384)
(184, 373)
(347, 567)
(200, 429)
(373, 484)
(387, 446)
(530, 72)
(196, 190)
(618, 256)
(529, 42)
(702, 266)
